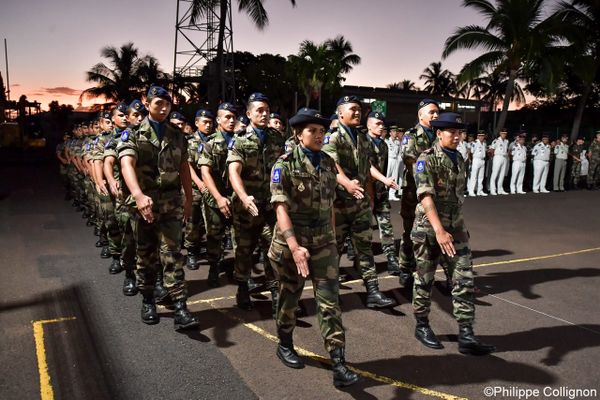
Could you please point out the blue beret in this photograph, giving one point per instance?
(333, 117)
(157, 91)
(448, 120)
(122, 107)
(138, 106)
(274, 116)
(377, 115)
(244, 119)
(177, 115)
(308, 116)
(205, 113)
(425, 102)
(258, 97)
(348, 99)
(227, 106)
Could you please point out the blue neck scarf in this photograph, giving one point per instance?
(202, 136)
(352, 133)
(159, 128)
(453, 154)
(228, 137)
(262, 135)
(313, 156)
(429, 132)
(377, 140)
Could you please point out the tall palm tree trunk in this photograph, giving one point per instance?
(580, 109)
(222, 20)
(510, 85)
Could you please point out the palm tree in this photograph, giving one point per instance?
(437, 80)
(515, 35)
(125, 76)
(316, 69)
(342, 56)
(580, 20)
(491, 87)
(254, 8)
(405, 85)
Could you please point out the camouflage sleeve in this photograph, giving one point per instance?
(330, 146)
(280, 186)
(127, 145)
(110, 149)
(409, 149)
(206, 156)
(236, 153)
(423, 172)
(97, 151)
(193, 147)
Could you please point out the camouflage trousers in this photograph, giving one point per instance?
(593, 175)
(324, 272)
(381, 212)
(575, 172)
(408, 204)
(216, 225)
(354, 220)
(248, 231)
(110, 223)
(160, 241)
(123, 216)
(195, 228)
(460, 267)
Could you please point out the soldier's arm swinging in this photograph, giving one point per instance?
(142, 202)
(299, 253)
(352, 186)
(113, 184)
(99, 169)
(222, 201)
(443, 238)
(388, 182)
(235, 171)
(186, 182)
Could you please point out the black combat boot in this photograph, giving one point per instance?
(105, 253)
(115, 266)
(183, 319)
(227, 243)
(350, 249)
(425, 335)
(376, 299)
(161, 294)
(393, 266)
(89, 222)
(96, 232)
(342, 376)
(406, 279)
(192, 261)
(213, 275)
(253, 286)
(149, 314)
(242, 297)
(129, 284)
(286, 352)
(101, 243)
(274, 297)
(469, 344)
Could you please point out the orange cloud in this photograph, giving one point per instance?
(62, 90)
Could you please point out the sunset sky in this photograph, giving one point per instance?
(52, 43)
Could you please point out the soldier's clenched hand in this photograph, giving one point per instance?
(301, 256)
(223, 203)
(144, 206)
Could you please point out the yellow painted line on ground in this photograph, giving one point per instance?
(364, 373)
(46, 391)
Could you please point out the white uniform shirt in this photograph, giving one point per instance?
(394, 146)
(541, 152)
(519, 152)
(478, 150)
(562, 151)
(463, 149)
(500, 147)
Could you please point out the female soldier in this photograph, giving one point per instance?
(303, 188)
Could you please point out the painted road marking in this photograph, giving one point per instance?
(364, 373)
(46, 391)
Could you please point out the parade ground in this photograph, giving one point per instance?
(67, 331)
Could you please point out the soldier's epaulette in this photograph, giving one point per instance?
(428, 151)
(285, 156)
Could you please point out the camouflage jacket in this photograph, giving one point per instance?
(157, 163)
(97, 152)
(195, 140)
(414, 142)
(257, 159)
(595, 151)
(355, 160)
(213, 154)
(436, 174)
(308, 193)
(380, 161)
(575, 151)
(290, 144)
(110, 150)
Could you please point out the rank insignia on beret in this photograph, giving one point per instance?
(276, 175)
(137, 106)
(317, 115)
(154, 91)
(230, 145)
(420, 166)
(326, 140)
(200, 148)
(405, 140)
(125, 136)
(346, 98)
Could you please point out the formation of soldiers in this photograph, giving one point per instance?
(153, 184)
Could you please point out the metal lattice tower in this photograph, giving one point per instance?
(196, 45)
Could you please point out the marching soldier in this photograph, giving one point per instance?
(518, 154)
(593, 156)
(499, 163)
(303, 185)
(439, 231)
(275, 123)
(177, 119)
(351, 151)
(541, 158)
(575, 154)
(154, 164)
(136, 113)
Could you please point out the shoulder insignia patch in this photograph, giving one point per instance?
(200, 148)
(230, 145)
(405, 139)
(420, 166)
(108, 143)
(276, 178)
(326, 140)
(125, 136)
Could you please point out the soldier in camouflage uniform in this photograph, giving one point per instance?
(217, 199)
(381, 202)
(575, 155)
(63, 163)
(439, 231)
(414, 142)
(195, 228)
(106, 201)
(352, 153)
(593, 155)
(303, 185)
(249, 164)
(154, 164)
